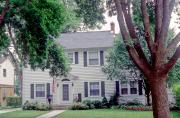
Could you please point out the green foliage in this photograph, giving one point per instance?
(97, 104)
(35, 106)
(105, 103)
(114, 100)
(91, 12)
(13, 101)
(89, 104)
(176, 90)
(79, 106)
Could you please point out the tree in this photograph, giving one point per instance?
(120, 66)
(156, 72)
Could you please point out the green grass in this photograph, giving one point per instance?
(109, 114)
(22, 114)
(7, 107)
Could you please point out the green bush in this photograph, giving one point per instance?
(176, 90)
(105, 103)
(13, 101)
(114, 100)
(134, 102)
(79, 106)
(89, 104)
(35, 106)
(97, 104)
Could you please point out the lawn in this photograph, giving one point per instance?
(22, 114)
(109, 114)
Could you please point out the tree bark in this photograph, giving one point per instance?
(159, 97)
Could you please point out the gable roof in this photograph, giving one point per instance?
(86, 40)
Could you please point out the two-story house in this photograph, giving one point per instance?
(7, 78)
(86, 81)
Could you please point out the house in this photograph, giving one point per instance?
(7, 78)
(86, 81)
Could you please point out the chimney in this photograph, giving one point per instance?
(112, 28)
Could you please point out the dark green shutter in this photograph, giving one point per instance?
(32, 91)
(48, 89)
(85, 58)
(101, 58)
(102, 89)
(140, 85)
(76, 58)
(85, 89)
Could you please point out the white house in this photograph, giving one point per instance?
(87, 51)
(7, 78)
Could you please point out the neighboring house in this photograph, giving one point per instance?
(7, 78)
(86, 81)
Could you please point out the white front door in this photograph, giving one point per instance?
(66, 93)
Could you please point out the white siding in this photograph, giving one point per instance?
(34, 77)
(9, 79)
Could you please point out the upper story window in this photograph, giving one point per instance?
(93, 58)
(4, 73)
(40, 90)
(124, 87)
(133, 87)
(94, 89)
(71, 59)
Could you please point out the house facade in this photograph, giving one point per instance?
(7, 78)
(86, 81)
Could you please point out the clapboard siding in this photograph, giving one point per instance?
(34, 77)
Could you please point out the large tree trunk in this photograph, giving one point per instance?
(159, 97)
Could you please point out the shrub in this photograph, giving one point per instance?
(13, 101)
(105, 103)
(135, 102)
(114, 100)
(176, 91)
(89, 103)
(79, 106)
(97, 104)
(35, 106)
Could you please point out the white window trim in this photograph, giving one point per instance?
(73, 56)
(98, 58)
(136, 88)
(129, 89)
(35, 90)
(89, 89)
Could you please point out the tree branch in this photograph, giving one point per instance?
(131, 29)
(173, 44)
(168, 66)
(139, 61)
(158, 18)
(146, 24)
(4, 11)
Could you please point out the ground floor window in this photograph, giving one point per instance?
(124, 87)
(133, 87)
(129, 87)
(40, 90)
(94, 88)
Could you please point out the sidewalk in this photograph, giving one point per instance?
(9, 110)
(51, 114)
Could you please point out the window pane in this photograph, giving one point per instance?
(94, 88)
(124, 91)
(132, 84)
(4, 72)
(70, 55)
(40, 90)
(93, 55)
(93, 61)
(133, 90)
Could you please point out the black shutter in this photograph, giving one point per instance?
(79, 97)
(117, 87)
(102, 89)
(85, 59)
(32, 91)
(140, 85)
(76, 58)
(85, 89)
(48, 89)
(101, 58)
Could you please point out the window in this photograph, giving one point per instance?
(40, 90)
(124, 87)
(133, 87)
(4, 72)
(94, 89)
(70, 55)
(93, 58)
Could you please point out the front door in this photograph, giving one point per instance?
(66, 93)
